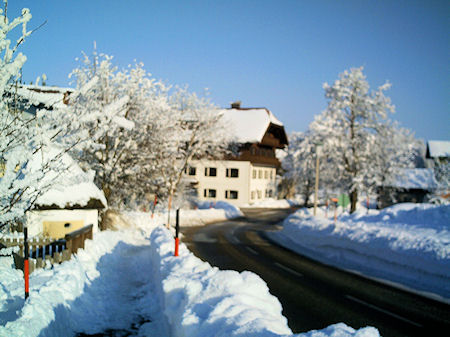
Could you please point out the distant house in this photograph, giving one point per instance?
(31, 98)
(407, 185)
(438, 158)
(251, 175)
(438, 151)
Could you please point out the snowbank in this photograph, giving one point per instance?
(200, 300)
(272, 203)
(407, 243)
(129, 283)
(203, 301)
(208, 212)
(87, 294)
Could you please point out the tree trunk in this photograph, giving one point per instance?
(306, 200)
(353, 200)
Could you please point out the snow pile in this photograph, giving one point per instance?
(208, 212)
(125, 283)
(341, 330)
(272, 203)
(200, 300)
(108, 285)
(407, 243)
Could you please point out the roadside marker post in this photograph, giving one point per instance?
(177, 232)
(154, 205)
(26, 267)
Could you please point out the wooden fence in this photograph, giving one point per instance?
(43, 251)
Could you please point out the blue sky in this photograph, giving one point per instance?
(275, 54)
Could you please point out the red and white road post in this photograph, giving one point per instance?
(177, 232)
(26, 266)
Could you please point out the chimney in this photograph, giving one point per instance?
(236, 105)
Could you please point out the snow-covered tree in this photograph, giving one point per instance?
(395, 148)
(351, 128)
(299, 163)
(195, 130)
(141, 134)
(27, 152)
(99, 112)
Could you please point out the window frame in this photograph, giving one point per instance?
(231, 194)
(207, 193)
(209, 170)
(229, 173)
(192, 171)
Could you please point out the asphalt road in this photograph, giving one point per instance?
(312, 294)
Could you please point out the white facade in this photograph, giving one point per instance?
(237, 182)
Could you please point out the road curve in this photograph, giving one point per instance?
(312, 294)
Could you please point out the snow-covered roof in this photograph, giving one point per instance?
(42, 96)
(249, 125)
(72, 188)
(416, 178)
(438, 149)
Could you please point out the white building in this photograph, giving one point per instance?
(249, 177)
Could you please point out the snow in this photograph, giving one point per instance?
(249, 125)
(439, 148)
(50, 97)
(272, 203)
(105, 286)
(74, 187)
(418, 178)
(408, 244)
(128, 282)
(218, 210)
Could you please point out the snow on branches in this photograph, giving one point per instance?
(141, 134)
(353, 133)
(26, 150)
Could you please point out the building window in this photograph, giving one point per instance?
(232, 172)
(192, 171)
(260, 174)
(259, 194)
(266, 174)
(254, 174)
(229, 194)
(209, 193)
(210, 172)
(271, 174)
(252, 195)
